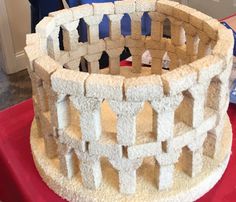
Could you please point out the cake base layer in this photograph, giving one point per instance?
(184, 188)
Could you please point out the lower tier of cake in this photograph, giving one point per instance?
(184, 188)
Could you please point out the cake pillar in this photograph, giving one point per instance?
(177, 32)
(68, 164)
(115, 26)
(157, 59)
(218, 99)
(136, 59)
(163, 116)
(192, 108)
(70, 36)
(192, 41)
(174, 61)
(192, 161)
(93, 27)
(53, 44)
(126, 120)
(90, 168)
(136, 26)
(90, 122)
(60, 111)
(93, 62)
(127, 173)
(114, 60)
(166, 166)
(156, 25)
(204, 47)
(165, 176)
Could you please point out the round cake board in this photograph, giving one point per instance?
(184, 188)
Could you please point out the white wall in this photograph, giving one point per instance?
(14, 24)
(216, 8)
(19, 19)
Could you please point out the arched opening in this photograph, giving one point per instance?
(167, 28)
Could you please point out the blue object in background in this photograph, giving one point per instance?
(234, 33)
(233, 93)
(41, 8)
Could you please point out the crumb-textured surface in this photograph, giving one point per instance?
(184, 188)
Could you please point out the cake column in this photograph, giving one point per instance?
(115, 43)
(44, 68)
(157, 25)
(171, 51)
(90, 124)
(166, 165)
(137, 48)
(136, 26)
(136, 35)
(127, 173)
(192, 41)
(95, 46)
(163, 116)
(177, 32)
(126, 133)
(157, 51)
(204, 47)
(68, 161)
(218, 100)
(163, 128)
(71, 43)
(53, 44)
(126, 120)
(70, 36)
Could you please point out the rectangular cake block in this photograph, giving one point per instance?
(104, 86)
(45, 66)
(96, 47)
(152, 44)
(210, 27)
(144, 150)
(183, 12)
(81, 50)
(143, 88)
(103, 8)
(208, 67)
(113, 44)
(82, 11)
(179, 80)
(166, 7)
(105, 150)
(33, 39)
(126, 6)
(145, 5)
(68, 82)
(197, 19)
(134, 43)
(62, 16)
(32, 53)
(46, 26)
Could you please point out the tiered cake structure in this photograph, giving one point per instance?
(130, 118)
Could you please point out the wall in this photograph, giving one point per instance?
(15, 24)
(216, 8)
(19, 19)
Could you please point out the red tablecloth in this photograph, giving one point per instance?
(20, 181)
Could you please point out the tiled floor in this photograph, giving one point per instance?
(14, 88)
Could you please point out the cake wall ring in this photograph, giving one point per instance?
(136, 134)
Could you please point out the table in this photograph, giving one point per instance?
(20, 181)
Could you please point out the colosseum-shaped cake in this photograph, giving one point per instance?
(130, 133)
